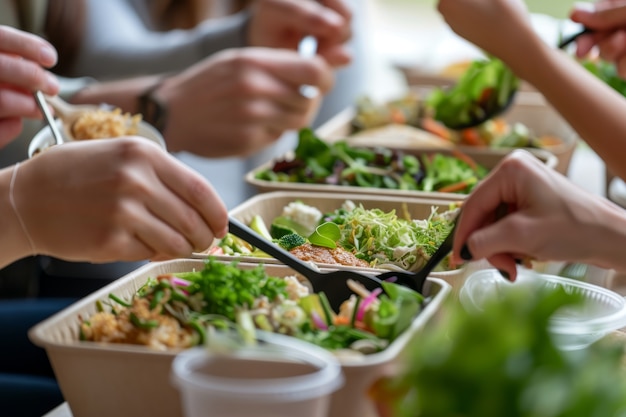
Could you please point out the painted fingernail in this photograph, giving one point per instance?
(465, 253)
(504, 274)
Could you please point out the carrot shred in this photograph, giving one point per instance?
(465, 158)
(456, 187)
(436, 128)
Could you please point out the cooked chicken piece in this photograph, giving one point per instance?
(337, 256)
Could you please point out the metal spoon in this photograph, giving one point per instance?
(41, 102)
(68, 113)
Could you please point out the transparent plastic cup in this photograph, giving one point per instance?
(575, 327)
(280, 377)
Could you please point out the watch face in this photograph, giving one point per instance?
(152, 109)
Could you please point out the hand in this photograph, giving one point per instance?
(549, 218)
(119, 199)
(608, 20)
(283, 23)
(21, 57)
(241, 100)
(500, 27)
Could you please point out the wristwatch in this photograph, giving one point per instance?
(152, 110)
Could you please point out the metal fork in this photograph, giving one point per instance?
(334, 284)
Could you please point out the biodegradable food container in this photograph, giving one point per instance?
(574, 327)
(270, 205)
(483, 156)
(529, 108)
(103, 380)
(279, 377)
(44, 139)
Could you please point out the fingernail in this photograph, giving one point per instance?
(52, 83)
(48, 56)
(504, 274)
(465, 253)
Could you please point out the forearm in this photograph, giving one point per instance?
(122, 94)
(13, 241)
(592, 108)
(119, 43)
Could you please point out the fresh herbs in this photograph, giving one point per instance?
(318, 162)
(184, 309)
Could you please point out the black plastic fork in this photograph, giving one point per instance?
(334, 284)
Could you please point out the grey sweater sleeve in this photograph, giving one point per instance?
(120, 42)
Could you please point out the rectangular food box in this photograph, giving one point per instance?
(103, 380)
(270, 205)
(488, 158)
(529, 108)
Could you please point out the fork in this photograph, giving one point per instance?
(334, 284)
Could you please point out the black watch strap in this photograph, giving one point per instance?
(152, 110)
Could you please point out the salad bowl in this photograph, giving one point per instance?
(103, 379)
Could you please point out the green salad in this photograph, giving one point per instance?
(183, 309)
(338, 163)
(382, 239)
(482, 92)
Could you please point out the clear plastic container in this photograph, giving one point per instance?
(280, 377)
(575, 327)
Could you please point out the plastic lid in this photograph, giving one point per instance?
(574, 327)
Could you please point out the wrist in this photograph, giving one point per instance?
(14, 244)
(152, 106)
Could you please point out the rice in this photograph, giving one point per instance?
(101, 123)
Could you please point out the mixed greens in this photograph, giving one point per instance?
(319, 162)
(381, 239)
(180, 310)
(481, 93)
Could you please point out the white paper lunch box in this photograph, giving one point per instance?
(103, 380)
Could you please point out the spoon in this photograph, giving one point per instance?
(334, 284)
(68, 113)
(41, 102)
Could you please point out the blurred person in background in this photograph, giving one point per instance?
(222, 90)
(99, 201)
